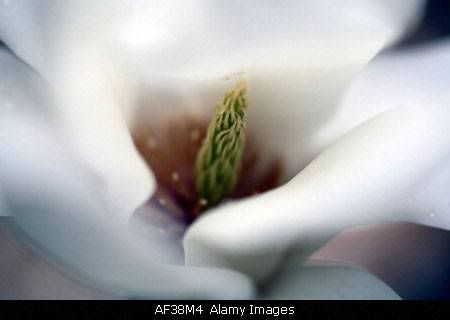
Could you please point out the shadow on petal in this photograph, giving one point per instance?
(321, 281)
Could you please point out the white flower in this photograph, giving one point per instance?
(71, 176)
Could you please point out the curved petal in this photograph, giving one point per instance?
(58, 203)
(88, 103)
(321, 281)
(411, 77)
(22, 90)
(242, 57)
(24, 275)
(314, 49)
(202, 39)
(24, 28)
(80, 58)
(89, 118)
(294, 83)
(30, 28)
(372, 174)
(396, 16)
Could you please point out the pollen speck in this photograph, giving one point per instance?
(175, 177)
(151, 142)
(195, 135)
(203, 202)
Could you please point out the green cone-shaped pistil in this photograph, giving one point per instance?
(219, 159)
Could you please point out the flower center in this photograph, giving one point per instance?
(171, 151)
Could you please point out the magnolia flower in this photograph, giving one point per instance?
(83, 78)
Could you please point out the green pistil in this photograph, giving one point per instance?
(219, 159)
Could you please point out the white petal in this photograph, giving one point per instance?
(241, 58)
(314, 50)
(320, 281)
(62, 215)
(418, 77)
(297, 59)
(30, 28)
(394, 15)
(27, 27)
(293, 102)
(58, 203)
(295, 82)
(22, 90)
(312, 45)
(367, 176)
(33, 29)
(88, 110)
(210, 39)
(24, 275)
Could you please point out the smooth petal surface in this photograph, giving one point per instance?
(102, 56)
(321, 281)
(22, 90)
(24, 275)
(89, 118)
(97, 81)
(27, 27)
(294, 83)
(32, 29)
(89, 111)
(371, 174)
(417, 77)
(57, 202)
(315, 49)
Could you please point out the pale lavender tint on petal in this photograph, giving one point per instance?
(413, 260)
(162, 230)
(24, 275)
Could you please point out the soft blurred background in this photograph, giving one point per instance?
(413, 260)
